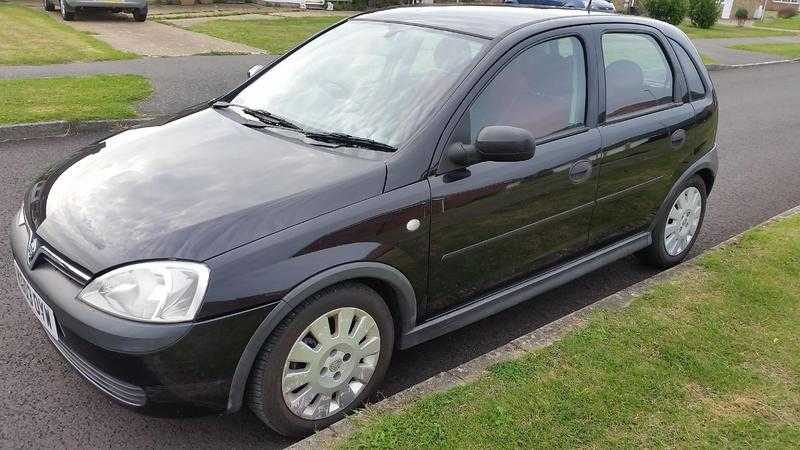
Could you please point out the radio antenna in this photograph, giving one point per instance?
(589, 6)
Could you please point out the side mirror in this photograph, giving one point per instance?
(254, 70)
(495, 143)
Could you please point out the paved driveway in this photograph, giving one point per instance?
(45, 404)
(151, 38)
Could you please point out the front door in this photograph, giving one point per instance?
(494, 223)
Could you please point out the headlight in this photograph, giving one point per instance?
(160, 291)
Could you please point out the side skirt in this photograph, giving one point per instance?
(513, 295)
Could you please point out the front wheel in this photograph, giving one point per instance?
(140, 15)
(323, 360)
(677, 228)
(48, 5)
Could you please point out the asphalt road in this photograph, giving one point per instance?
(45, 404)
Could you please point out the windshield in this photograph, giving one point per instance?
(372, 80)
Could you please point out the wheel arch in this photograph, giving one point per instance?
(708, 177)
(389, 282)
(706, 167)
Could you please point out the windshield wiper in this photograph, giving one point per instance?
(348, 140)
(343, 139)
(262, 115)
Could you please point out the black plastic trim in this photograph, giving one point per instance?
(121, 391)
(523, 228)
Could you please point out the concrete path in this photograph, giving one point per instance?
(151, 38)
(718, 49)
(179, 82)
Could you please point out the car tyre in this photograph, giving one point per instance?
(678, 226)
(48, 5)
(140, 15)
(66, 14)
(271, 386)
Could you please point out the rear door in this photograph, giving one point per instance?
(493, 223)
(644, 122)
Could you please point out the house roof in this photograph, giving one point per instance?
(485, 21)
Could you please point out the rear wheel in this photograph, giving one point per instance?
(323, 360)
(140, 14)
(66, 14)
(678, 226)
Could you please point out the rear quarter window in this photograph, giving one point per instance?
(693, 79)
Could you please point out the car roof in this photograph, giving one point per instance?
(484, 21)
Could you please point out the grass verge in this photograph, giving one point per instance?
(777, 22)
(276, 36)
(728, 31)
(30, 37)
(707, 59)
(788, 51)
(706, 360)
(71, 98)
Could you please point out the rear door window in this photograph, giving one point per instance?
(638, 74)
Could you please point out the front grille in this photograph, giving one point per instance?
(64, 266)
(120, 390)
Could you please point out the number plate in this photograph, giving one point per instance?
(38, 306)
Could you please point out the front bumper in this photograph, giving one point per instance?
(159, 369)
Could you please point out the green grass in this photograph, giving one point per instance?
(788, 51)
(71, 98)
(707, 59)
(707, 360)
(728, 31)
(33, 37)
(777, 22)
(276, 36)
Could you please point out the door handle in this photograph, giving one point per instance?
(580, 171)
(678, 138)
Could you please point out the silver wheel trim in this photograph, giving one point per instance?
(682, 221)
(330, 363)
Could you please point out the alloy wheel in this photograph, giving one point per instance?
(330, 363)
(683, 220)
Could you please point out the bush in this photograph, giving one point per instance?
(787, 13)
(704, 13)
(741, 14)
(672, 11)
(366, 5)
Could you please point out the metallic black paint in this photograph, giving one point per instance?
(267, 212)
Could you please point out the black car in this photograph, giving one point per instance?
(400, 175)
